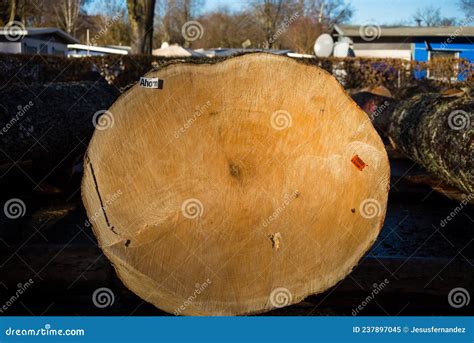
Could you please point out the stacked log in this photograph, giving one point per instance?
(438, 133)
(434, 130)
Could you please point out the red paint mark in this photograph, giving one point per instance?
(357, 161)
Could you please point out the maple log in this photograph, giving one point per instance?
(238, 187)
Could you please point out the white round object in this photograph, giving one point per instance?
(323, 45)
(341, 49)
(164, 45)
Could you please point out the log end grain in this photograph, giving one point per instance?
(233, 190)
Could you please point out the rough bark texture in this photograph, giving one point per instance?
(431, 129)
(234, 176)
(46, 123)
(140, 16)
(438, 133)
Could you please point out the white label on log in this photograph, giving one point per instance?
(151, 82)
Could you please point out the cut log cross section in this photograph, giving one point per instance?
(233, 190)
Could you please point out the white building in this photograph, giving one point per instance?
(408, 42)
(84, 50)
(47, 41)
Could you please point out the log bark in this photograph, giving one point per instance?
(140, 16)
(438, 133)
(47, 123)
(431, 129)
(236, 188)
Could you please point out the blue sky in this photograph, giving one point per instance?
(373, 11)
(366, 11)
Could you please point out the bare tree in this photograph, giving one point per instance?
(318, 16)
(301, 35)
(226, 29)
(271, 14)
(431, 16)
(448, 21)
(67, 13)
(467, 6)
(172, 15)
(287, 18)
(110, 26)
(328, 12)
(18, 9)
(140, 17)
(13, 10)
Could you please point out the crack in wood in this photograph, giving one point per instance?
(99, 196)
